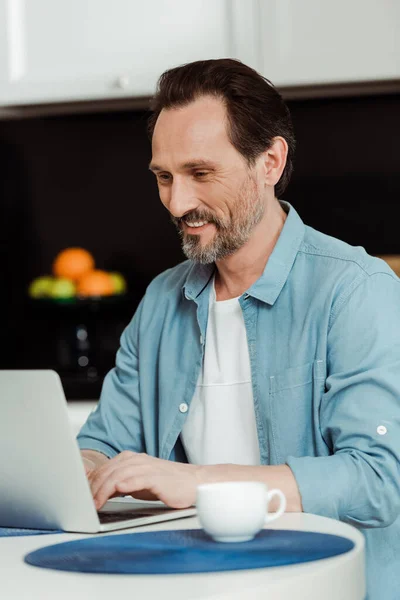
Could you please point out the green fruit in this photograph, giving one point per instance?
(118, 282)
(40, 287)
(62, 288)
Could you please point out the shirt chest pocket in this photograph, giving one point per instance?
(294, 398)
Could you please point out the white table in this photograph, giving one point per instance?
(338, 578)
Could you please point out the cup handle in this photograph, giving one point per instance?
(282, 505)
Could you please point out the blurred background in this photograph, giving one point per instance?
(75, 81)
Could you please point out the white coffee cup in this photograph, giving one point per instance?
(235, 511)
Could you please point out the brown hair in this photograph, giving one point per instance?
(255, 109)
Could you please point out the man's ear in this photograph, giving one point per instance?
(275, 161)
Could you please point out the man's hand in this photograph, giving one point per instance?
(148, 478)
(145, 477)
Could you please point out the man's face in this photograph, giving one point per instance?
(214, 198)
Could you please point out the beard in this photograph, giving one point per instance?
(247, 211)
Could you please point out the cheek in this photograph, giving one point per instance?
(219, 197)
(164, 195)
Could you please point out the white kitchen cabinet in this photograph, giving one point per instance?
(329, 41)
(71, 50)
(74, 50)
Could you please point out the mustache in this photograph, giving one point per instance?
(193, 217)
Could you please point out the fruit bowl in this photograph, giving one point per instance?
(90, 302)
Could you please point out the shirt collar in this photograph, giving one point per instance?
(267, 287)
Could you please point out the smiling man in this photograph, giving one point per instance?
(272, 353)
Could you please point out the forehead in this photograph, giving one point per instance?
(198, 129)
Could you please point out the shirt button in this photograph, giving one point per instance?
(201, 340)
(381, 430)
(183, 407)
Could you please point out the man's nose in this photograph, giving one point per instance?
(181, 198)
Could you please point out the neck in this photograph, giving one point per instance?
(236, 273)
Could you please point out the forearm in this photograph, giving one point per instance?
(274, 476)
(97, 458)
(354, 487)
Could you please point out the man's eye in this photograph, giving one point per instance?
(201, 174)
(163, 177)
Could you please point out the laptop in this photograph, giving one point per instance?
(43, 484)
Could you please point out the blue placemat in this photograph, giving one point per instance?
(15, 531)
(186, 551)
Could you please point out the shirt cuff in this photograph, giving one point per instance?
(324, 483)
(88, 443)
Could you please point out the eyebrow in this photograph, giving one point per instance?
(192, 164)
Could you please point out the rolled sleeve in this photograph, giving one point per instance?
(359, 412)
(115, 425)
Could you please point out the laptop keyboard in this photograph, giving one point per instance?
(124, 515)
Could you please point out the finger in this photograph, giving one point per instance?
(105, 471)
(108, 487)
(139, 483)
(163, 488)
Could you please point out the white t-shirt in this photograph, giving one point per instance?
(220, 426)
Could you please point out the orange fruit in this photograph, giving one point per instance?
(95, 283)
(72, 263)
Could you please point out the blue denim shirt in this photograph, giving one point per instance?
(323, 331)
